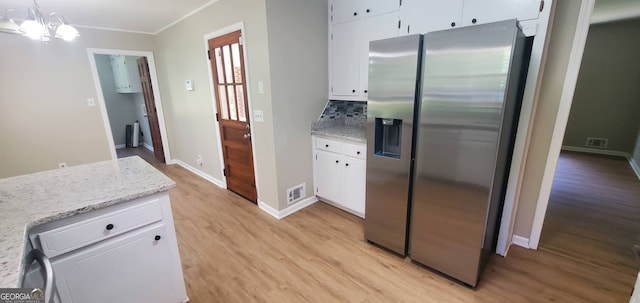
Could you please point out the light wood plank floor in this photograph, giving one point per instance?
(232, 251)
(594, 211)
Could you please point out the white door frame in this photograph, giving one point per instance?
(217, 33)
(156, 93)
(560, 123)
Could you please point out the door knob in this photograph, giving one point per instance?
(247, 136)
(248, 126)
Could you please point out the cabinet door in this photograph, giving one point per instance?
(330, 176)
(372, 8)
(345, 59)
(130, 269)
(345, 10)
(375, 28)
(487, 11)
(423, 16)
(355, 174)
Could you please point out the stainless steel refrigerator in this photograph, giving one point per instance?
(441, 118)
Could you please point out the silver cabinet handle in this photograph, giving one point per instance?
(38, 256)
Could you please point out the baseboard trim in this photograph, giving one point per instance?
(121, 146)
(147, 146)
(520, 241)
(635, 167)
(596, 151)
(281, 214)
(200, 173)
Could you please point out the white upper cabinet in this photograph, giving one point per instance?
(378, 7)
(125, 74)
(422, 16)
(351, 10)
(345, 10)
(376, 28)
(487, 11)
(345, 59)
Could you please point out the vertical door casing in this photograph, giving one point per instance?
(393, 79)
(471, 89)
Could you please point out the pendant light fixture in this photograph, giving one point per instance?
(37, 28)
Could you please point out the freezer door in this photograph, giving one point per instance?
(393, 81)
(463, 108)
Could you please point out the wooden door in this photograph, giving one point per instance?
(229, 82)
(150, 104)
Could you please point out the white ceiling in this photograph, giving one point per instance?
(152, 16)
(147, 16)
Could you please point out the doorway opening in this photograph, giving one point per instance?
(226, 55)
(593, 210)
(130, 104)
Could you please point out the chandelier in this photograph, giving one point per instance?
(36, 27)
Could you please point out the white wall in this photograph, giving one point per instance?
(44, 117)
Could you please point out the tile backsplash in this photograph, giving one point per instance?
(341, 109)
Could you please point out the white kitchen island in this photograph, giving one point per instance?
(107, 228)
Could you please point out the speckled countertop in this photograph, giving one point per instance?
(30, 200)
(348, 129)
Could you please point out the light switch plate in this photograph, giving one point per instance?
(258, 116)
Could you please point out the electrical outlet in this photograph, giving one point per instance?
(62, 165)
(199, 160)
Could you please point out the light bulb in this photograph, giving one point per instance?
(32, 29)
(66, 32)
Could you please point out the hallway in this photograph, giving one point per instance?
(594, 211)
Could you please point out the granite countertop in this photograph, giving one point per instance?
(348, 129)
(30, 200)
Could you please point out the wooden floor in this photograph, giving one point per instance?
(232, 251)
(594, 211)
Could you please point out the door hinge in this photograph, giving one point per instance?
(241, 40)
(400, 2)
(541, 5)
(399, 22)
(224, 172)
(331, 36)
(217, 117)
(316, 190)
(332, 89)
(316, 156)
(209, 54)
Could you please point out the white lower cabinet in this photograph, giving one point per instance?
(126, 253)
(340, 173)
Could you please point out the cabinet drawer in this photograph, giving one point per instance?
(70, 237)
(329, 145)
(355, 150)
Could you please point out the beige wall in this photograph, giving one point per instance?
(606, 103)
(189, 115)
(562, 33)
(44, 117)
(289, 58)
(299, 80)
